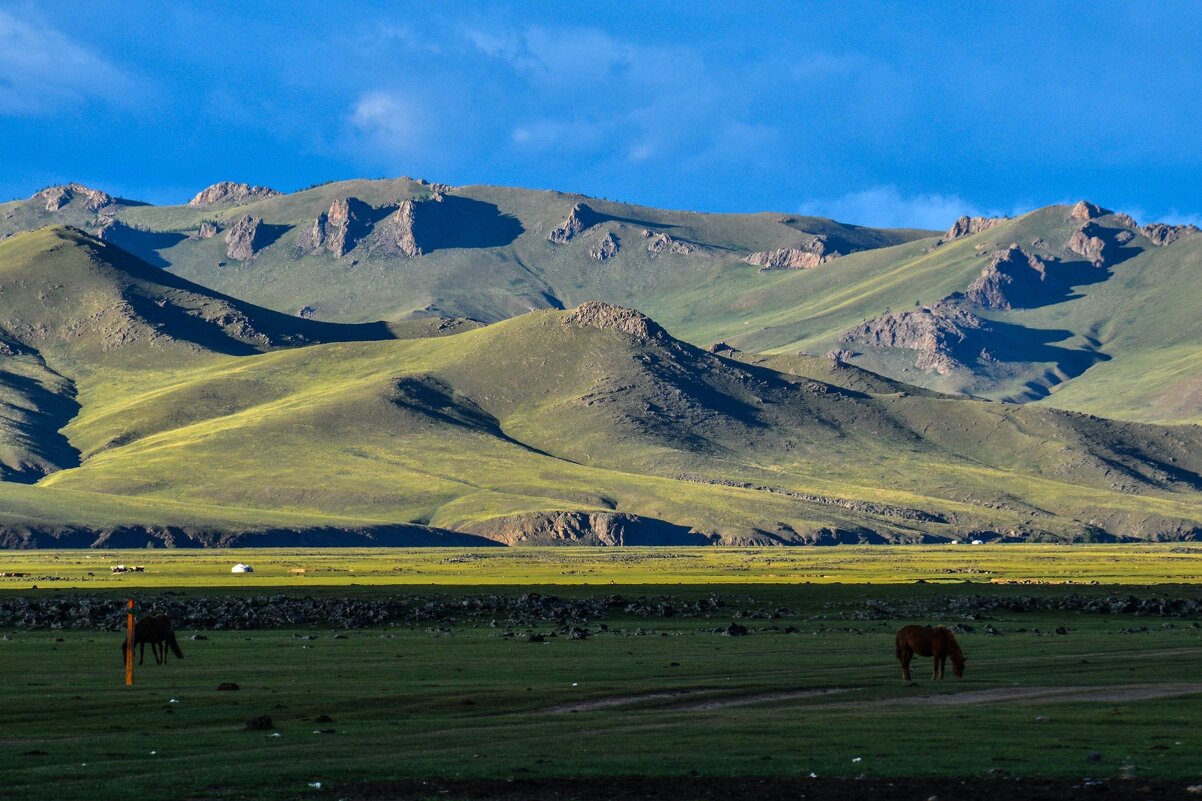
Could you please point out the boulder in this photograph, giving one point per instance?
(1087, 243)
(967, 226)
(207, 230)
(1085, 211)
(579, 220)
(57, 197)
(244, 239)
(1011, 277)
(659, 242)
(1162, 234)
(395, 236)
(230, 192)
(337, 230)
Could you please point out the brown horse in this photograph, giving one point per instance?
(157, 631)
(926, 641)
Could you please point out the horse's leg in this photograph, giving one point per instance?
(907, 654)
(142, 652)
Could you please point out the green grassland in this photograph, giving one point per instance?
(174, 407)
(1026, 565)
(466, 702)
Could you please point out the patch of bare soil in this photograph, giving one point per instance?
(689, 788)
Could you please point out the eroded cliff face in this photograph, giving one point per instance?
(936, 334)
(244, 239)
(337, 230)
(229, 192)
(1011, 278)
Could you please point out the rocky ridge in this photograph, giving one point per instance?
(579, 220)
(230, 192)
(243, 238)
(57, 197)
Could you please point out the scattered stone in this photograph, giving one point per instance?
(735, 630)
(227, 686)
(260, 723)
(535, 638)
(606, 249)
(229, 192)
(659, 242)
(323, 719)
(1093, 756)
(306, 312)
(1061, 630)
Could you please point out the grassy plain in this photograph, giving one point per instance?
(344, 567)
(646, 697)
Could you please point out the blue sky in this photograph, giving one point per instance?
(907, 115)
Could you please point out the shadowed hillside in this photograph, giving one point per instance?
(167, 413)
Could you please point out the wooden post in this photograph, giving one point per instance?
(129, 646)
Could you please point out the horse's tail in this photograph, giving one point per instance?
(174, 645)
(897, 646)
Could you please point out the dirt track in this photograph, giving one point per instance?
(1117, 693)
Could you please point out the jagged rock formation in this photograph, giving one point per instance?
(243, 238)
(936, 333)
(395, 235)
(607, 248)
(337, 230)
(1087, 243)
(1011, 276)
(967, 226)
(57, 197)
(1163, 234)
(805, 256)
(1085, 211)
(658, 242)
(579, 219)
(229, 192)
(207, 230)
(596, 314)
(585, 528)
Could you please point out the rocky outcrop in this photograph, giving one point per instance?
(244, 239)
(1085, 211)
(1087, 243)
(936, 333)
(659, 242)
(337, 230)
(1011, 278)
(579, 220)
(967, 226)
(596, 314)
(207, 230)
(396, 235)
(57, 197)
(584, 528)
(805, 256)
(1162, 234)
(230, 192)
(607, 248)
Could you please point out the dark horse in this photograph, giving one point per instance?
(926, 641)
(157, 631)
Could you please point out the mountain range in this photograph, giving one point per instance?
(406, 363)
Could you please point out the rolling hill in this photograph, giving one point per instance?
(141, 407)
(1075, 308)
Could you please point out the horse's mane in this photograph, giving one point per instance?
(953, 647)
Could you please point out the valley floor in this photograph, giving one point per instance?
(527, 690)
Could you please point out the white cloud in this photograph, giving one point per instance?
(390, 121)
(886, 207)
(41, 69)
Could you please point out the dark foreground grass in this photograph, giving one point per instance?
(466, 703)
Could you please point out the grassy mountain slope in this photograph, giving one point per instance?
(590, 425)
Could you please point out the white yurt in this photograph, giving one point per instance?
(242, 567)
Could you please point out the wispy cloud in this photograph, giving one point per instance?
(389, 121)
(41, 70)
(887, 207)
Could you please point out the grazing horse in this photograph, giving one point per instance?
(926, 641)
(157, 631)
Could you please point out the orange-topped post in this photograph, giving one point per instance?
(129, 645)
